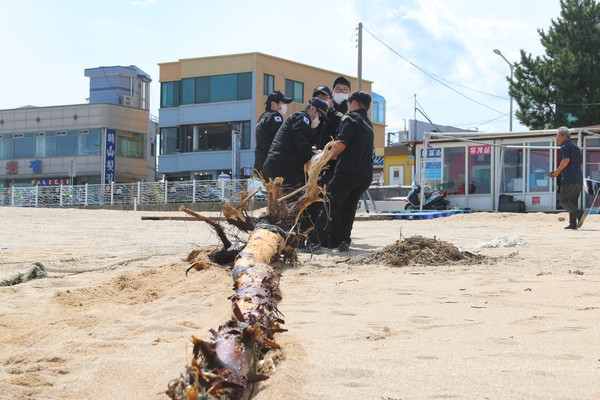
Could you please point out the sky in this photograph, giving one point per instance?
(437, 52)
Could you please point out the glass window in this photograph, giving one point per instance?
(246, 135)
(169, 96)
(24, 147)
(45, 147)
(591, 169)
(214, 137)
(295, 90)
(130, 144)
(168, 140)
(89, 145)
(188, 91)
(268, 84)
(66, 146)
(245, 86)
(454, 170)
(223, 88)
(203, 90)
(539, 166)
(512, 171)
(6, 149)
(480, 169)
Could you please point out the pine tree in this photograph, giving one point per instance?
(563, 86)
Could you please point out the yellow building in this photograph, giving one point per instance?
(205, 101)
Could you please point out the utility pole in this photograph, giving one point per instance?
(415, 120)
(359, 56)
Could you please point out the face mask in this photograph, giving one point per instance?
(315, 122)
(340, 97)
(283, 109)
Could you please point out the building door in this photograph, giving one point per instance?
(397, 175)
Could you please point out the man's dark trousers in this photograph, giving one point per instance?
(344, 190)
(568, 198)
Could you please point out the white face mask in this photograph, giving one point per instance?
(340, 97)
(283, 109)
(315, 122)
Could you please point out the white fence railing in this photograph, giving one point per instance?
(128, 193)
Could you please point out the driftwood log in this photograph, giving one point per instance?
(226, 366)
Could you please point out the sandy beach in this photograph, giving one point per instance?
(523, 324)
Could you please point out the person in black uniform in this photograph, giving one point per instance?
(323, 134)
(341, 91)
(327, 130)
(291, 147)
(353, 170)
(267, 126)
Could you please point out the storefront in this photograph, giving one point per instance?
(476, 169)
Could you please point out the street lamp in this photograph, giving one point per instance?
(511, 78)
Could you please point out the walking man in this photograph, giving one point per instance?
(570, 170)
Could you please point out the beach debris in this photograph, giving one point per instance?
(420, 250)
(234, 359)
(502, 241)
(576, 272)
(35, 270)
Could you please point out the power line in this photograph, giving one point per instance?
(432, 76)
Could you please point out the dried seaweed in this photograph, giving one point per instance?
(419, 250)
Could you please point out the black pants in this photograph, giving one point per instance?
(344, 192)
(568, 198)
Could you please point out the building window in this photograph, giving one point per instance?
(512, 171)
(89, 144)
(223, 88)
(188, 91)
(378, 108)
(214, 137)
(66, 146)
(209, 89)
(24, 147)
(295, 90)
(268, 84)
(454, 169)
(45, 147)
(246, 135)
(539, 166)
(480, 169)
(168, 140)
(202, 86)
(169, 94)
(130, 144)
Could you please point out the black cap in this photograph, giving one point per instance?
(277, 96)
(321, 89)
(343, 80)
(320, 105)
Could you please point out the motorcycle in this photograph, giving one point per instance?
(434, 199)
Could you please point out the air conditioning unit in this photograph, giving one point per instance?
(128, 101)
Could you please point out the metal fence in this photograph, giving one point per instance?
(129, 193)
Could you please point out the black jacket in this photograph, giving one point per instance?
(291, 148)
(356, 132)
(267, 126)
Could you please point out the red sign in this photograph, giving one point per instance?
(476, 150)
(12, 167)
(535, 200)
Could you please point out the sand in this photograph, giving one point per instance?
(522, 326)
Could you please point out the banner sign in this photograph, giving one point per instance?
(109, 156)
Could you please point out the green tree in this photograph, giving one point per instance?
(563, 86)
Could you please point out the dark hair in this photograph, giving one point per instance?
(362, 98)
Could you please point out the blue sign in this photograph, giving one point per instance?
(432, 153)
(433, 170)
(109, 156)
(36, 166)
